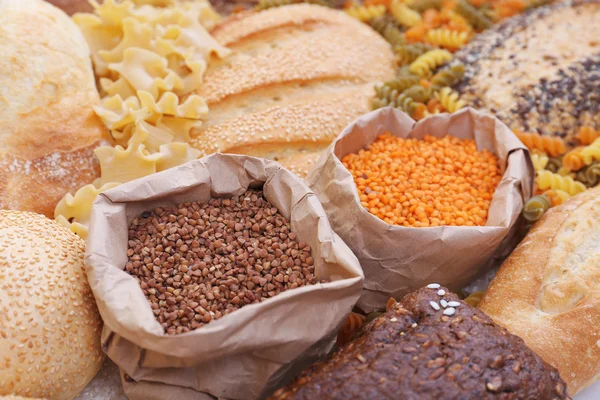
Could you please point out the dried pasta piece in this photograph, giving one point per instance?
(444, 37)
(450, 99)
(540, 161)
(591, 152)
(554, 164)
(351, 326)
(174, 154)
(590, 175)
(474, 299)
(557, 196)
(73, 212)
(586, 135)
(390, 303)
(535, 207)
(389, 29)
(536, 3)
(474, 16)
(426, 63)
(573, 160)
(410, 52)
(423, 5)
(404, 15)
(548, 180)
(265, 4)
(366, 13)
(448, 77)
(553, 146)
(418, 93)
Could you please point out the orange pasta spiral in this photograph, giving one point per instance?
(573, 160)
(553, 146)
(390, 304)
(352, 325)
(587, 135)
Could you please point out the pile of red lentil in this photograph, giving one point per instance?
(425, 182)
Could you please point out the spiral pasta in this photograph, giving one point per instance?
(404, 15)
(535, 207)
(353, 323)
(266, 4)
(586, 135)
(423, 5)
(389, 29)
(473, 15)
(548, 180)
(366, 13)
(574, 159)
(448, 76)
(474, 299)
(553, 146)
(444, 37)
(418, 93)
(590, 175)
(557, 196)
(450, 99)
(591, 152)
(427, 62)
(390, 303)
(540, 161)
(410, 52)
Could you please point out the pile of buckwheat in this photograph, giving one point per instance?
(202, 261)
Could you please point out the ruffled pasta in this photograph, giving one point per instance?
(535, 207)
(540, 161)
(446, 38)
(426, 63)
(366, 13)
(404, 15)
(553, 146)
(548, 180)
(586, 135)
(450, 99)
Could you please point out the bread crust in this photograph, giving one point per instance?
(547, 291)
(298, 75)
(48, 127)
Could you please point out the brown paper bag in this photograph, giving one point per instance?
(395, 259)
(243, 353)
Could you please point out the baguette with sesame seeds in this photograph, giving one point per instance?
(297, 76)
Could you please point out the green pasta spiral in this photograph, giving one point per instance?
(590, 175)
(448, 76)
(473, 15)
(265, 4)
(389, 29)
(410, 52)
(536, 3)
(418, 93)
(554, 164)
(535, 207)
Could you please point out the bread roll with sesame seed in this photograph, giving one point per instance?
(548, 290)
(49, 324)
(48, 128)
(297, 76)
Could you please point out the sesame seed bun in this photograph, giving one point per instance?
(49, 324)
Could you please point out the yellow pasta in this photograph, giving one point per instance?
(540, 161)
(404, 14)
(444, 37)
(366, 13)
(548, 180)
(426, 63)
(591, 152)
(450, 99)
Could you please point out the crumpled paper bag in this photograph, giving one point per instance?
(397, 260)
(244, 353)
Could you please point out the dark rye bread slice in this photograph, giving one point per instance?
(415, 351)
(297, 76)
(539, 71)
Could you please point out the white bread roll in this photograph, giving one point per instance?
(49, 324)
(548, 291)
(48, 127)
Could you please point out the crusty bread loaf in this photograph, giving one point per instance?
(298, 75)
(548, 291)
(47, 92)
